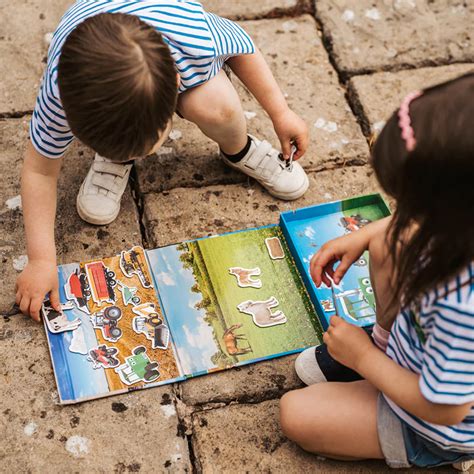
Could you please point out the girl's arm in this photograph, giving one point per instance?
(346, 250)
(253, 71)
(351, 346)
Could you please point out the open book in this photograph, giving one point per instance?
(151, 317)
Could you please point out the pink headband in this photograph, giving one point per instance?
(404, 121)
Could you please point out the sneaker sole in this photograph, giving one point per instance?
(103, 220)
(289, 196)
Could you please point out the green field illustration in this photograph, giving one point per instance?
(236, 334)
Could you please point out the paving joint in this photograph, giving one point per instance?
(15, 115)
(137, 197)
(302, 7)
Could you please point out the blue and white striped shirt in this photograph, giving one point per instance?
(200, 43)
(438, 344)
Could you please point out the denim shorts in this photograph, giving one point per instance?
(402, 447)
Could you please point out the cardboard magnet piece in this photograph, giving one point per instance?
(275, 250)
(245, 276)
(133, 262)
(56, 321)
(103, 356)
(138, 368)
(102, 282)
(107, 321)
(149, 323)
(77, 289)
(128, 294)
(261, 312)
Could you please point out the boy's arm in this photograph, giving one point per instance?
(38, 192)
(253, 71)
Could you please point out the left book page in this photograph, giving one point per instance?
(112, 335)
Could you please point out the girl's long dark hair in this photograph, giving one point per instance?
(431, 237)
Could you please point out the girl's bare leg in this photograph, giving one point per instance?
(336, 420)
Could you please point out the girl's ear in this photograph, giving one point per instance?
(178, 79)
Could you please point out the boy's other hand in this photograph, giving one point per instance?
(291, 129)
(37, 279)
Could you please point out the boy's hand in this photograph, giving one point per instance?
(347, 343)
(37, 279)
(346, 250)
(291, 129)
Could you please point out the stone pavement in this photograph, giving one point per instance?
(344, 66)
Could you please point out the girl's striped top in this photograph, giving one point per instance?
(437, 342)
(200, 43)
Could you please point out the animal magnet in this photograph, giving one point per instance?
(261, 312)
(245, 276)
(230, 339)
(56, 321)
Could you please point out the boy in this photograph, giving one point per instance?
(116, 73)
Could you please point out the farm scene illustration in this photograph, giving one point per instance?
(353, 299)
(233, 299)
(111, 333)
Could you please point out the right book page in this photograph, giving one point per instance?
(307, 229)
(233, 299)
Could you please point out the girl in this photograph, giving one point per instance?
(415, 406)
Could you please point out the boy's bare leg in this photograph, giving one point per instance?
(336, 420)
(382, 278)
(216, 109)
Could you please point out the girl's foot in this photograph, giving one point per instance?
(263, 163)
(315, 365)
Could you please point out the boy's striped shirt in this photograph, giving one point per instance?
(438, 344)
(200, 43)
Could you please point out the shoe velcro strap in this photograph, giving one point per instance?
(258, 155)
(115, 169)
(106, 182)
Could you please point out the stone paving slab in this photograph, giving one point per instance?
(247, 438)
(378, 95)
(251, 383)
(75, 239)
(22, 49)
(187, 213)
(251, 9)
(127, 433)
(370, 36)
(299, 62)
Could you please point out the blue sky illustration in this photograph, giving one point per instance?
(192, 337)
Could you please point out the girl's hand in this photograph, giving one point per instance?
(347, 343)
(37, 279)
(291, 129)
(346, 249)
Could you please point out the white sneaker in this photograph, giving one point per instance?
(264, 163)
(307, 368)
(98, 201)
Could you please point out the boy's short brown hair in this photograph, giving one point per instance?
(118, 86)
